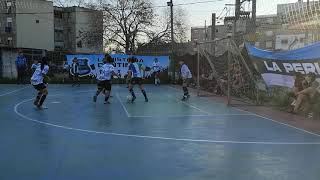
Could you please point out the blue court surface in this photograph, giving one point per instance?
(165, 139)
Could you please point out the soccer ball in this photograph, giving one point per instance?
(129, 98)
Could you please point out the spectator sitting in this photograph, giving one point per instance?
(307, 95)
(299, 85)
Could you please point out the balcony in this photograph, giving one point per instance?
(8, 29)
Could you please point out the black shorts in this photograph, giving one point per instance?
(40, 87)
(136, 80)
(105, 85)
(186, 82)
(156, 74)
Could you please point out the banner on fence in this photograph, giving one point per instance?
(89, 64)
(278, 68)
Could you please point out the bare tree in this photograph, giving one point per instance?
(161, 30)
(125, 21)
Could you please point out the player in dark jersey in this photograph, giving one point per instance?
(135, 77)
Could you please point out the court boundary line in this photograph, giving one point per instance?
(123, 106)
(11, 92)
(195, 115)
(281, 123)
(153, 137)
(270, 119)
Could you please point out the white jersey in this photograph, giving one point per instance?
(105, 72)
(37, 77)
(156, 66)
(185, 72)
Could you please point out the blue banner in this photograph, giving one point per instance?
(278, 68)
(89, 64)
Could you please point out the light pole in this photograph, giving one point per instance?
(170, 3)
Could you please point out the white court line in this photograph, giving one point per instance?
(284, 124)
(266, 118)
(176, 116)
(190, 105)
(155, 137)
(11, 92)
(123, 106)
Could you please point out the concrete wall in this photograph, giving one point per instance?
(8, 69)
(35, 30)
(88, 22)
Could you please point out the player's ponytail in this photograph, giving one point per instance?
(43, 62)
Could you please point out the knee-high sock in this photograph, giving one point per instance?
(132, 93)
(38, 98)
(42, 99)
(144, 93)
(107, 96)
(98, 92)
(185, 91)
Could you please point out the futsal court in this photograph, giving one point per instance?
(164, 139)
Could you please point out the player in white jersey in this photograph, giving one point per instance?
(156, 69)
(104, 79)
(186, 76)
(37, 80)
(135, 77)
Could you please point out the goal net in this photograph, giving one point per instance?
(224, 70)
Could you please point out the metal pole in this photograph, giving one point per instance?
(170, 3)
(213, 34)
(198, 71)
(229, 73)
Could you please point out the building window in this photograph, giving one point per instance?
(9, 41)
(301, 40)
(58, 14)
(269, 44)
(284, 41)
(37, 21)
(9, 22)
(79, 44)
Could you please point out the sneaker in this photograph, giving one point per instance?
(42, 107)
(184, 98)
(294, 103)
(94, 98)
(146, 100)
(107, 102)
(36, 103)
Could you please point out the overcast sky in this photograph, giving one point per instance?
(198, 13)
